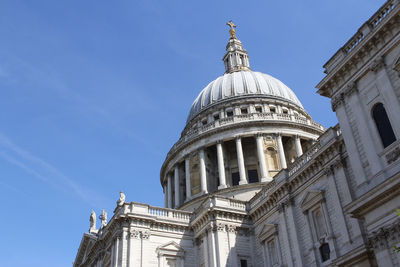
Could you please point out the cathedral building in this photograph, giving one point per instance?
(255, 181)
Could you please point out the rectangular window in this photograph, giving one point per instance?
(272, 109)
(259, 109)
(235, 178)
(244, 111)
(253, 176)
(204, 122)
(216, 117)
(229, 113)
(243, 263)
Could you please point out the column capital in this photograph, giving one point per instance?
(220, 141)
(258, 135)
(238, 138)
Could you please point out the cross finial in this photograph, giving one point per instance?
(232, 30)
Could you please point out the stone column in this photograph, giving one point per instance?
(115, 254)
(281, 151)
(165, 195)
(203, 179)
(240, 159)
(169, 186)
(187, 176)
(299, 150)
(176, 182)
(124, 247)
(261, 159)
(221, 167)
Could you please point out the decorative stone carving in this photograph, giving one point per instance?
(221, 227)
(393, 155)
(137, 234)
(92, 228)
(337, 101)
(121, 199)
(377, 64)
(350, 88)
(134, 233)
(231, 228)
(145, 234)
(103, 218)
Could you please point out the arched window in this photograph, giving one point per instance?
(383, 125)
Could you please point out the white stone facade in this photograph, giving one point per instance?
(254, 181)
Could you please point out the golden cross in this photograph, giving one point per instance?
(232, 30)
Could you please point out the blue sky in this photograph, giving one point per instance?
(94, 93)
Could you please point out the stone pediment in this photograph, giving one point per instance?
(311, 198)
(171, 249)
(86, 245)
(267, 231)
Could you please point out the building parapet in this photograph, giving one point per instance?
(360, 35)
(152, 212)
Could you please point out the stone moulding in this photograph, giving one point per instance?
(368, 38)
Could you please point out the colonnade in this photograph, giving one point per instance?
(264, 172)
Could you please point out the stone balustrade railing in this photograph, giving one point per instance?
(265, 192)
(222, 203)
(242, 118)
(155, 212)
(331, 133)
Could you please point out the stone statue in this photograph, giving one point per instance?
(232, 30)
(92, 222)
(121, 199)
(103, 218)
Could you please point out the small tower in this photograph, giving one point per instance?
(236, 57)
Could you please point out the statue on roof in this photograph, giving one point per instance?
(103, 218)
(92, 222)
(232, 30)
(121, 199)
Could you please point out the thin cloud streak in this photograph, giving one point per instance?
(41, 169)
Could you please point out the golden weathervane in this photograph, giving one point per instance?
(232, 30)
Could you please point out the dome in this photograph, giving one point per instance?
(238, 84)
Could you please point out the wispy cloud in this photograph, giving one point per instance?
(43, 170)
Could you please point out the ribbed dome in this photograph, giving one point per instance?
(241, 83)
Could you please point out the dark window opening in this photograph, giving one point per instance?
(285, 111)
(259, 109)
(243, 263)
(325, 252)
(229, 113)
(383, 125)
(235, 178)
(204, 122)
(253, 176)
(272, 109)
(244, 111)
(216, 117)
